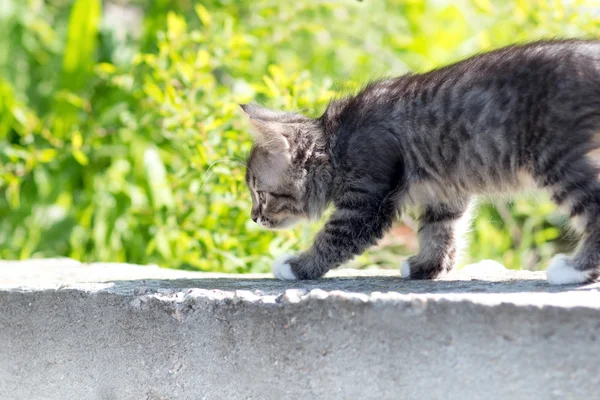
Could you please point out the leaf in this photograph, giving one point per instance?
(273, 89)
(484, 5)
(154, 92)
(80, 157)
(176, 25)
(77, 140)
(13, 194)
(203, 14)
(106, 68)
(156, 177)
(162, 244)
(77, 143)
(71, 98)
(81, 43)
(47, 155)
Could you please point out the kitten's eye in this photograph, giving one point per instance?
(282, 196)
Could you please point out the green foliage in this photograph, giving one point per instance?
(132, 148)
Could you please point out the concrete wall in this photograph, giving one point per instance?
(510, 336)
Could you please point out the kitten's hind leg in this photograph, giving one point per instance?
(583, 265)
(441, 230)
(578, 188)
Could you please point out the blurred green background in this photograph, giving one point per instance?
(121, 139)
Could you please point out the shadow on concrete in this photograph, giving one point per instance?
(361, 284)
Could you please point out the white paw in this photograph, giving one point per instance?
(561, 272)
(282, 269)
(405, 269)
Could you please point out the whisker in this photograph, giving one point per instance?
(209, 171)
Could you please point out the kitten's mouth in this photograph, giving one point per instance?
(283, 224)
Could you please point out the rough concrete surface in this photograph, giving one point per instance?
(111, 331)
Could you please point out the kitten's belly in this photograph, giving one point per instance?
(457, 190)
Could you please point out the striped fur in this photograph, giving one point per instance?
(498, 122)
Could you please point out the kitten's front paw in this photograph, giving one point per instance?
(282, 269)
(562, 272)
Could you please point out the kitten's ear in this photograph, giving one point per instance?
(256, 112)
(270, 131)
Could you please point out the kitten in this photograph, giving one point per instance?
(495, 122)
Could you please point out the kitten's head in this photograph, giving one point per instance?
(277, 167)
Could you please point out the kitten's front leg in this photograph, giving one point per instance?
(440, 235)
(352, 228)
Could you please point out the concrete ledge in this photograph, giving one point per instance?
(110, 331)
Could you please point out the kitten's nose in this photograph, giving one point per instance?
(254, 219)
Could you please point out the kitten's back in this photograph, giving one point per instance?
(485, 124)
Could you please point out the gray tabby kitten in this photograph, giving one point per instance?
(498, 122)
